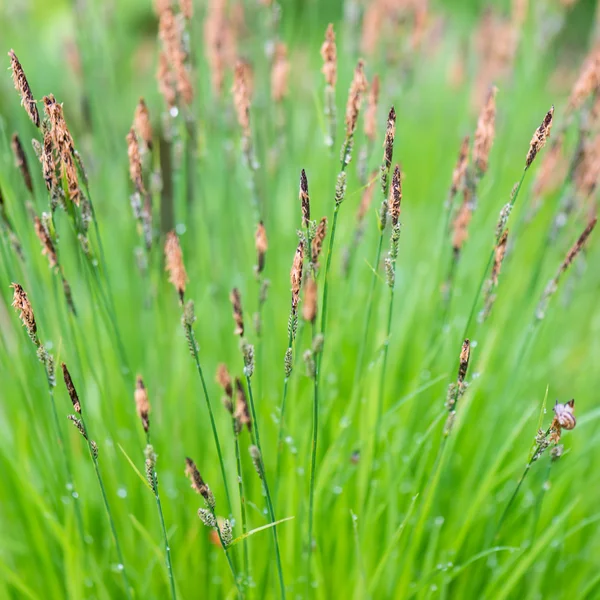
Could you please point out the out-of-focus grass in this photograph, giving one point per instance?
(413, 538)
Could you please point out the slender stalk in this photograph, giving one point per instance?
(93, 455)
(313, 468)
(194, 346)
(533, 458)
(163, 527)
(282, 417)
(238, 463)
(256, 436)
(386, 347)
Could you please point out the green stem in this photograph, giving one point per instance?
(111, 521)
(256, 435)
(386, 347)
(163, 527)
(194, 347)
(238, 463)
(313, 468)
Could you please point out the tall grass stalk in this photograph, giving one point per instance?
(238, 465)
(194, 349)
(256, 439)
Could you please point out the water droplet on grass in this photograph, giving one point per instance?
(122, 492)
(337, 490)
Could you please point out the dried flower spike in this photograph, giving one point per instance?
(142, 124)
(242, 415)
(304, 199)
(329, 55)
(395, 196)
(71, 389)
(198, 483)
(142, 404)
(23, 306)
(465, 354)
(262, 245)
(484, 133)
(499, 252)
(22, 86)
(135, 162)
(355, 96)
(296, 275)
(174, 264)
(238, 314)
(538, 141)
(317, 242)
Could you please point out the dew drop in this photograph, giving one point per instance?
(180, 228)
(337, 490)
(122, 492)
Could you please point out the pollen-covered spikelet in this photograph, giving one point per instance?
(484, 133)
(142, 123)
(329, 55)
(395, 196)
(22, 86)
(296, 275)
(47, 245)
(198, 484)
(304, 199)
(71, 389)
(280, 73)
(174, 264)
(538, 141)
(261, 243)
(457, 390)
(355, 98)
(142, 404)
(238, 315)
(388, 151)
(21, 304)
(241, 414)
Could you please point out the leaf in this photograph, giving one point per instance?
(135, 468)
(249, 533)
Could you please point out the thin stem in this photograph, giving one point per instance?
(93, 454)
(386, 347)
(256, 435)
(238, 463)
(194, 346)
(163, 527)
(313, 467)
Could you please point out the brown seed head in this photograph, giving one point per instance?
(22, 86)
(238, 315)
(241, 96)
(460, 226)
(395, 196)
(355, 96)
(135, 162)
(21, 304)
(296, 275)
(195, 478)
(262, 245)
(484, 133)
(142, 403)
(587, 82)
(371, 112)
(309, 308)
(538, 141)
(21, 161)
(47, 245)
(304, 199)
(279, 73)
(317, 242)
(142, 124)
(465, 354)
(71, 389)
(48, 163)
(458, 175)
(499, 252)
(174, 264)
(329, 55)
(241, 406)
(224, 380)
(577, 246)
(166, 81)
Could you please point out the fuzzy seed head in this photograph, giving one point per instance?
(395, 196)
(355, 97)
(22, 86)
(296, 275)
(304, 199)
(329, 55)
(174, 264)
(463, 361)
(22, 305)
(499, 252)
(224, 380)
(262, 245)
(142, 404)
(142, 123)
(198, 484)
(238, 314)
(317, 242)
(241, 414)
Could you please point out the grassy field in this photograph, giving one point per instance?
(391, 399)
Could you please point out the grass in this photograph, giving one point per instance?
(392, 501)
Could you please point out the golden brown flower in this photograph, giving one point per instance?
(296, 275)
(142, 404)
(304, 199)
(465, 354)
(174, 264)
(329, 55)
(241, 414)
(47, 245)
(135, 162)
(538, 141)
(142, 124)
(355, 97)
(22, 86)
(21, 304)
(196, 480)
(262, 246)
(395, 196)
(238, 315)
(317, 242)
(484, 133)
